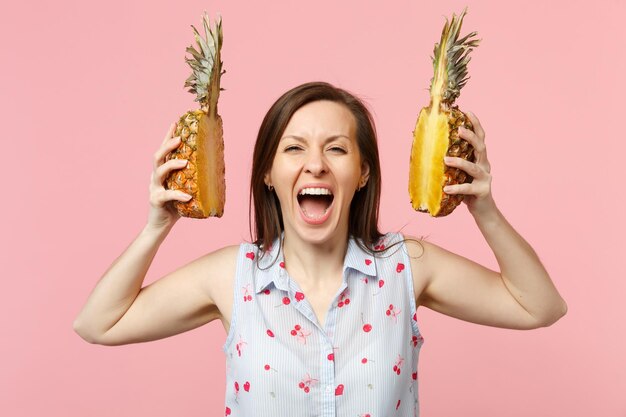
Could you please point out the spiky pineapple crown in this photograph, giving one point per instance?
(451, 56)
(206, 64)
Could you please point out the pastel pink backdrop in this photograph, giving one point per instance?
(88, 91)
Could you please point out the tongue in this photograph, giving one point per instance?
(314, 206)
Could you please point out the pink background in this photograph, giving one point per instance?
(88, 90)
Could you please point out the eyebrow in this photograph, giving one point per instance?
(328, 139)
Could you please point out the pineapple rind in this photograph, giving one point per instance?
(202, 145)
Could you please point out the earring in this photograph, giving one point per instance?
(269, 187)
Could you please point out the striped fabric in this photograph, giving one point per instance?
(363, 362)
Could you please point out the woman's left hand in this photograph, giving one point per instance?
(477, 193)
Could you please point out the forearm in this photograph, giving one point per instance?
(117, 289)
(521, 270)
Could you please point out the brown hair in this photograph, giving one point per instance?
(268, 222)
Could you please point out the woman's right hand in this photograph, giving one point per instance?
(163, 214)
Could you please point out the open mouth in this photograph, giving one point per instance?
(315, 202)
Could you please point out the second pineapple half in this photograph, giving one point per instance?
(436, 133)
(201, 132)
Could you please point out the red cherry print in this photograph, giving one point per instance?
(286, 300)
(381, 282)
(250, 255)
(400, 267)
(301, 384)
(227, 412)
(388, 312)
(390, 306)
(282, 265)
(270, 333)
(266, 291)
(236, 386)
(246, 386)
(299, 296)
(414, 376)
(307, 389)
(366, 326)
(398, 405)
(415, 316)
(364, 360)
(266, 367)
(398, 365)
(368, 261)
(339, 389)
(331, 356)
(300, 333)
(343, 299)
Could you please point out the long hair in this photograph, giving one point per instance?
(363, 219)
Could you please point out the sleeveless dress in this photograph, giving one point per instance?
(362, 363)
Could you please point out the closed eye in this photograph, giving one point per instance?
(292, 148)
(337, 149)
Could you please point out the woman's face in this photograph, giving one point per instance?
(316, 171)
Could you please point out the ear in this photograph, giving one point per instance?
(365, 173)
(267, 179)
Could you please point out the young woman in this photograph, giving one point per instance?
(320, 311)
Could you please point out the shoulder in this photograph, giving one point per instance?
(424, 257)
(220, 259)
(217, 270)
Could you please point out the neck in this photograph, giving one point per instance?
(315, 265)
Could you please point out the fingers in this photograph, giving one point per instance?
(166, 147)
(477, 140)
(471, 168)
(164, 170)
(476, 189)
(159, 198)
(158, 194)
(478, 128)
(480, 187)
(473, 139)
(170, 132)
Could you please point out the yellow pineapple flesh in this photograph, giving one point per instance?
(201, 133)
(436, 132)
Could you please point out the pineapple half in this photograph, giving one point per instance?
(436, 134)
(201, 133)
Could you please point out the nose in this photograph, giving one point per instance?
(315, 163)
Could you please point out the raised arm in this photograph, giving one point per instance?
(520, 296)
(119, 311)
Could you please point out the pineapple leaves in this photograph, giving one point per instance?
(205, 59)
(456, 55)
